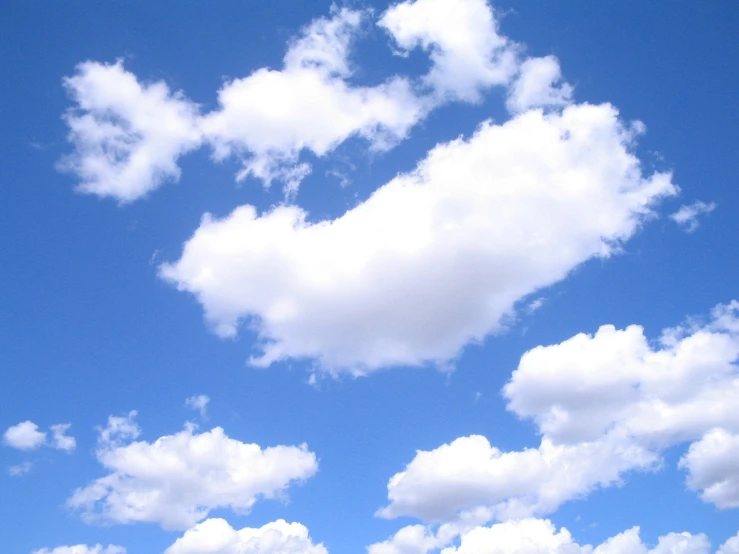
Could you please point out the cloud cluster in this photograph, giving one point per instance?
(216, 536)
(26, 436)
(539, 536)
(128, 135)
(178, 479)
(604, 404)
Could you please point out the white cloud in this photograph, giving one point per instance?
(178, 479)
(198, 402)
(713, 469)
(216, 536)
(24, 436)
(532, 536)
(539, 84)
(127, 135)
(82, 549)
(469, 472)
(604, 404)
(687, 216)
(434, 259)
(467, 53)
(59, 440)
(20, 469)
(271, 116)
(731, 546)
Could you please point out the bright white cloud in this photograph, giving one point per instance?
(469, 472)
(178, 479)
(434, 259)
(216, 536)
(24, 436)
(687, 216)
(467, 53)
(271, 116)
(532, 536)
(198, 402)
(127, 135)
(713, 469)
(539, 84)
(605, 404)
(82, 549)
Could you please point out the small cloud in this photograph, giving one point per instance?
(60, 441)
(687, 216)
(20, 469)
(535, 305)
(477, 396)
(24, 436)
(198, 402)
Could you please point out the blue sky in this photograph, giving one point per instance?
(421, 216)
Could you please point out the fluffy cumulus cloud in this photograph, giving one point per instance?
(687, 216)
(539, 84)
(178, 479)
(128, 135)
(216, 536)
(467, 53)
(534, 536)
(82, 549)
(270, 116)
(435, 258)
(604, 404)
(26, 436)
(712, 468)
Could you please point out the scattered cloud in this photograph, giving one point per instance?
(532, 536)
(605, 404)
(436, 258)
(216, 536)
(198, 402)
(82, 549)
(178, 479)
(20, 469)
(128, 135)
(24, 436)
(687, 216)
(60, 440)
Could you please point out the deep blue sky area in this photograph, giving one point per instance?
(88, 330)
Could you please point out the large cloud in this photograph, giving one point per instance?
(128, 135)
(604, 404)
(178, 479)
(535, 536)
(216, 536)
(434, 259)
